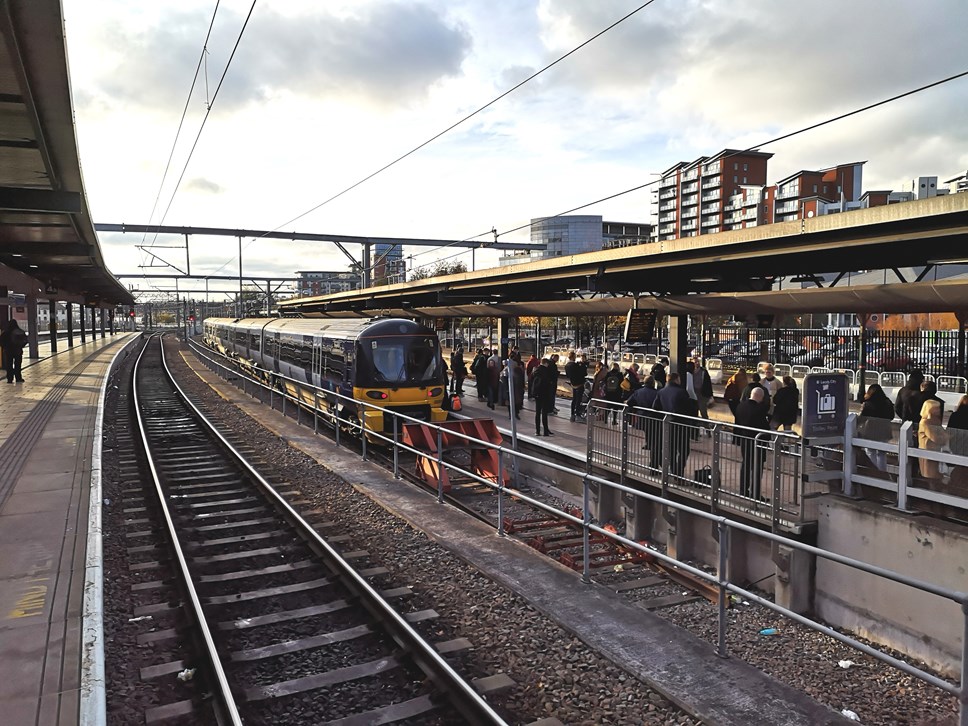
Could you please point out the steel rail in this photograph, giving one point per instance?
(461, 694)
(222, 683)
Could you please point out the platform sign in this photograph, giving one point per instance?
(640, 325)
(825, 404)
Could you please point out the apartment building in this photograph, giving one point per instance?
(326, 282)
(693, 196)
(810, 193)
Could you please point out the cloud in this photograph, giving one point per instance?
(388, 54)
(206, 186)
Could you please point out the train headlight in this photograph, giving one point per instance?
(435, 392)
(378, 395)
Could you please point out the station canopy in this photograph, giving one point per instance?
(46, 231)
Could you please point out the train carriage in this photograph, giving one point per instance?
(393, 363)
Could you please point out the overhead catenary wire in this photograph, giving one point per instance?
(208, 111)
(181, 123)
(449, 128)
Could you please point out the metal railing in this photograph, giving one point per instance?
(891, 461)
(748, 471)
(674, 475)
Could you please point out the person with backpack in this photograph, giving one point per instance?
(613, 390)
(12, 340)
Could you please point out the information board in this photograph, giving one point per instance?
(640, 325)
(824, 405)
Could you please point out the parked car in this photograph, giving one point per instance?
(891, 359)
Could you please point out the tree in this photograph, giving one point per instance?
(438, 269)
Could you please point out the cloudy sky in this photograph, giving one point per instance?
(319, 95)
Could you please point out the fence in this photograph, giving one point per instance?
(672, 477)
(882, 454)
(735, 468)
(938, 352)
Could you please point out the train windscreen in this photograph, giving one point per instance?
(399, 361)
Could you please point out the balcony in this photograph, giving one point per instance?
(671, 217)
(710, 208)
(749, 213)
(667, 206)
(690, 201)
(710, 197)
(667, 181)
(786, 208)
(710, 221)
(667, 229)
(690, 175)
(688, 225)
(733, 219)
(668, 194)
(689, 213)
(711, 169)
(689, 188)
(712, 182)
(788, 192)
(711, 230)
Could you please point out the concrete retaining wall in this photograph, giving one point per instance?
(919, 624)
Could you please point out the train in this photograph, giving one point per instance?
(393, 363)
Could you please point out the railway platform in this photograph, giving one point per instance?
(49, 542)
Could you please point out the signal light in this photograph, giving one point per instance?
(131, 313)
(379, 395)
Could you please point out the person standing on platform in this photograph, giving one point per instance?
(576, 371)
(516, 375)
(908, 399)
(13, 340)
(703, 386)
(479, 369)
(786, 405)
(494, 365)
(658, 374)
(556, 372)
(459, 371)
(874, 422)
(598, 380)
(642, 403)
(751, 413)
(544, 396)
(931, 437)
(674, 399)
(533, 363)
(735, 386)
(929, 392)
(612, 383)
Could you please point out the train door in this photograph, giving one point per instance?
(317, 364)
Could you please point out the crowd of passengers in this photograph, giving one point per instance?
(757, 401)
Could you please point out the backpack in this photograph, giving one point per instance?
(613, 384)
(18, 338)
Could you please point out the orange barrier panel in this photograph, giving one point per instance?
(484, 461)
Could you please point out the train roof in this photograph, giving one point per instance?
(336, 327)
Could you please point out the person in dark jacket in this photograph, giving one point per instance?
(479, 369)
(459, 370)
(544, 396)
(13, 339)
(958, 439)
(576, 370)
(674, 399)
(533, 363)
(517, 376)
(786, 405)
(751, 412)
(905, 406)
(658, 374)
(612, 383)
(703, 385)
(642, 405)
(875, 422)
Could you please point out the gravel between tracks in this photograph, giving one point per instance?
(555, 673)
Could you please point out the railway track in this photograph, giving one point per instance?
(292, 633)
(623, 569)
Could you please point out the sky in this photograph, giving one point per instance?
(320, 95)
